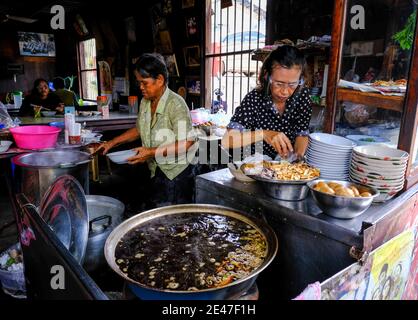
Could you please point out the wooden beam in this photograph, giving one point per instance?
(337, 36)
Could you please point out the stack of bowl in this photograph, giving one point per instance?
(380, 167)
(331, 154)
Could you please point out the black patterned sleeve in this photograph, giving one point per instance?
(243, 118)
(304, 114)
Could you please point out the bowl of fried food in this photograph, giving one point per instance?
(342, 199)
(282, 180)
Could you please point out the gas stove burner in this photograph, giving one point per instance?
(251, 295)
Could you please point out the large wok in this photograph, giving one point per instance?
(231, 291)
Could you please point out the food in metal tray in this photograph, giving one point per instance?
(190, 252)
(291, 171)
(337, 189)
(281, 170)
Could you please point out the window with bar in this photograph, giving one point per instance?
(87, 69)
(232, 34)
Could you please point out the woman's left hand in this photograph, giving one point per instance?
(60, 108)
(142, 154)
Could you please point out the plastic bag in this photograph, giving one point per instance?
(5, 119)
(357, 114)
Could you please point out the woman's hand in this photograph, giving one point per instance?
(60, 108)
(279, 141)
(105, 147)
(142, 154)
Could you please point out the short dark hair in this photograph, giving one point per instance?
(286, 56)
(58, 83)
(36, 84)
(150, 65)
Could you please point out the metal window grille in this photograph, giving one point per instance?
(233, 34)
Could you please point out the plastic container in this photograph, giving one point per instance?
(58, 124)
(35, 137)
(17, 98)
(13, 282)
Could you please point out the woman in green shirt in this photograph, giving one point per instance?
(165, 128)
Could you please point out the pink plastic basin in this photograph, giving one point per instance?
(35, 137)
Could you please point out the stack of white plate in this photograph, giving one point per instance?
(331, 154)
(380, 167)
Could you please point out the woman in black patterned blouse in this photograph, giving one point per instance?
(274, 118)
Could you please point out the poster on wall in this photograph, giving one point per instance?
(36, 44)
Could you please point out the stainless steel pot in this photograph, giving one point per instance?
(34, 172)
(230, 291)
(105, 213)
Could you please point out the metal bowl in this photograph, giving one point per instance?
(289, 190)
(343, 207)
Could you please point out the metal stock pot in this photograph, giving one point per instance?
(35, 172)
(105, 213)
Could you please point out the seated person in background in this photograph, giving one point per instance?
(41, 96)
(68, 97)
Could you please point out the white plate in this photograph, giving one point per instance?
(328, 148)
(5, 145)
(377, 169)
(362, 157)
(328, 155)
(377, 182)
(377, 186)
(379, 163)
(378, 152)
(332, 166)
(382, 174)
(331, 139)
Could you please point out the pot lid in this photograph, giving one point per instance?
(52, 159)
(104, 212)
(64, 209)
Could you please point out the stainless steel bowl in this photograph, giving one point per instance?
(284, 189)
(343, 207)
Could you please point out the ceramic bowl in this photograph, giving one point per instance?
(121, 157)
(378, 152)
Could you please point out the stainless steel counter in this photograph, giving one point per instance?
(312, 245)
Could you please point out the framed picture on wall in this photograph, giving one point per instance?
(191, 26)
(164, 45)
(193, 85)
(187, 4)
(192, 56)
(170, 61)
(36, 44)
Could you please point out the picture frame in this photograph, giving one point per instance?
(192, 56)
(36, 44)
(164, 45)
(193, 85)
(170, 61)
(187, 4)
(191, 27)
